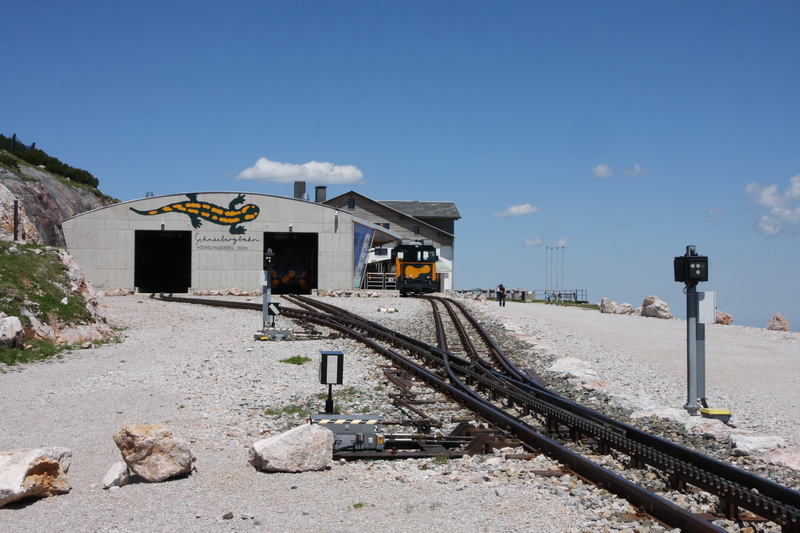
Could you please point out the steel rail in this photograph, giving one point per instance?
(646, 501)
(768, 499)
(734, 487)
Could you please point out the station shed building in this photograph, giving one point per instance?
(412, 220)
(217, 240)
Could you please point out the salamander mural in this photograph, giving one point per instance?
(197, 210)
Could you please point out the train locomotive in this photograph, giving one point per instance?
(414, 265)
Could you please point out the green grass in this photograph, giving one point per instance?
(39, 349)
(296, 360)
(34, 278)
(34, 282)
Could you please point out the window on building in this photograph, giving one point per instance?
(381, 251)
(416, 230)
(386, 225)
(351, 203)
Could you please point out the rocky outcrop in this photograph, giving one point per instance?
(778, 323)
(153, 452)
(74, 285)
(44, 202)
(302, 449)
(653, 306)
(41, 472)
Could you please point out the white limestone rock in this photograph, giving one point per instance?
(778, 323)
(117, 476)
(302, 449)
(607, 306)
(755, 444)
(153, 452)
(10, 326)
(624, 309)
(40, 472)
(655, 307)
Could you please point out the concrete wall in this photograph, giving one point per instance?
(103, 241)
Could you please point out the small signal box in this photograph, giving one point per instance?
(331, 372)
(691, 268)
(331, 367)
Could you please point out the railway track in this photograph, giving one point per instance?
(518, 402)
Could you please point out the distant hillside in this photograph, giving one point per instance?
(45, 196)
(35, 157)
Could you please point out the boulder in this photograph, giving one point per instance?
(624, 309)
(11, 333)
(152, 452)
(9, 326)
(607, 306)
(778, 323)
(655, 307)
(721, 317)
(41, 472)
(117, 476)
(302, 449)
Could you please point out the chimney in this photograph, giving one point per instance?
(321, 193)
(299, 189)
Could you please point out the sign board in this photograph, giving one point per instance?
(706, 307)
(331, 366)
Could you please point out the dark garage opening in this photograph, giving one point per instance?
(163, 261)
(295, 263)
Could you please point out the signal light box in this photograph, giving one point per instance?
(331, 368)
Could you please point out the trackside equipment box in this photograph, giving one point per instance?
(352, 432)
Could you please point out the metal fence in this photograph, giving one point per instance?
(14, 145)
(554, 296)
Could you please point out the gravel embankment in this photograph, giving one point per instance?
(199, 371)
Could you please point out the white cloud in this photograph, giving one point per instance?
(637, 171)
(783, 208)
(714, 214)
(533, 242)
(319, 172)
(517, 210)
(563, 241)
(602, 171)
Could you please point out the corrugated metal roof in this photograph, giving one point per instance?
(418, 209)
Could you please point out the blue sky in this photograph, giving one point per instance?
(621, 130)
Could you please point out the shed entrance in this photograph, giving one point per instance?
(163, 261)
(295, 265)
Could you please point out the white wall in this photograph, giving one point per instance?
(102, 241)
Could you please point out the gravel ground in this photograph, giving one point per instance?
(199, 371)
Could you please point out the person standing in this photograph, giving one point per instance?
(501, 295)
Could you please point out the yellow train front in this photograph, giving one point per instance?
(415, 267)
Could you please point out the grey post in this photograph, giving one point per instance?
(691, 352)
(266, 290)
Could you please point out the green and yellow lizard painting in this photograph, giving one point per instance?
(197, 210)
